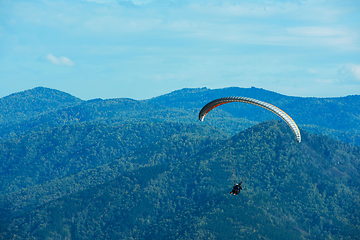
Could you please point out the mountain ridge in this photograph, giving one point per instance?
(335, 117)
(33, 102)
(290, 192)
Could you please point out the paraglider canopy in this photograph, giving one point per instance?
(215, 103)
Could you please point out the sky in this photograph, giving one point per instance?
(145, 48)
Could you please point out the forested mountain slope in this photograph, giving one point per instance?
(337, 117)
(44, 156)
(123, 168)
(41, 167)
(112, 111)
(40, 108)
(291, 191)
(24, 105)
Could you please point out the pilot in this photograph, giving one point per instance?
(236, 189)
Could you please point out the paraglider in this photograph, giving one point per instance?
(213, 104)
(217, 102)
(236, 189)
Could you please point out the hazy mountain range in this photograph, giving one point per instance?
(42, 107)
(128, 169)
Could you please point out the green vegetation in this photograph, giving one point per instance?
(21, 106)
(112, 171)
(335, 117)
(82, 160)
(43, 156)
(292, 191)
(41, 108)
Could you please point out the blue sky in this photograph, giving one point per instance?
(144, 48)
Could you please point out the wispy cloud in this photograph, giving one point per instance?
(63, 61)
(316, 31)
(355, 69)
(349, 74)
(324, 36)
(309, 46)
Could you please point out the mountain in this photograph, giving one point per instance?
(40, 167)
(112, 111)
(337, 117)
(334, 117)
(128, 169)
(44, 156)
(307, 190)
(24, 105)
(190, 98)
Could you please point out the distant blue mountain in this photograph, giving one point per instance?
(40, 108)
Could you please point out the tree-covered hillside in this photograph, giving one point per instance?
(40, 108)
(128, 169)
(291, 191)
(44, 156)
(43, 166)
(21, 106)
(336, 117)
(110, 112)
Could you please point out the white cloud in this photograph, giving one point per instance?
(324, 36)
(181, 43)
(325, 81)
(101, 1)
(316, 31)
(63, 61)
(114, 24)
(349, 74)
(355, 69)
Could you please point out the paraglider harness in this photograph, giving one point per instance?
(236, 189)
